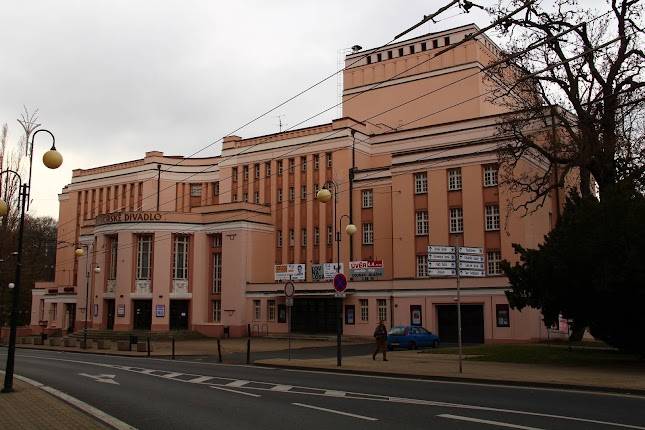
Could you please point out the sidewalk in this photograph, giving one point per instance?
(30, 408)
(414, 364)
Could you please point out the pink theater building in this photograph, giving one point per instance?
(205, 244)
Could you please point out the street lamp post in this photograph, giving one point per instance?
(324, 196)
(53, 160)
(79, 252)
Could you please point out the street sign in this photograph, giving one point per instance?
(442, 265)
(470, 250)
(473, 266)
(441, 249)
(442, 257)
(289, 301)
(340, 295)
(472, 258)
(340, 283)
(471, 273)
(289, 289)
(442, 272)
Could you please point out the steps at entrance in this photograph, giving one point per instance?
(142, 334)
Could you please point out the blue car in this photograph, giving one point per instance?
(411, 337)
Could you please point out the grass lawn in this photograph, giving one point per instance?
(545, 354)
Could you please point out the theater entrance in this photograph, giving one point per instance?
(142, 314)
(472, 323)
(314, 315)
(179, 314)
(109, 306)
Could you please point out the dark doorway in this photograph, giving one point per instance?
(179, 314)
(109, 306)
(472, 323)
(142, 314)
(314, 315)
(71, 317)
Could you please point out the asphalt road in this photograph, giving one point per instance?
(163, 394)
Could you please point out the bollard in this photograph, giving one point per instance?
(173, 347)
(248, 345)
(148, 348)
(219, 351)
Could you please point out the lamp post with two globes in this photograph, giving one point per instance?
(52, 159)
(324, 196)
(79, 252)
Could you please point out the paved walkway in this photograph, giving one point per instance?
(414, 363)
(30, 408)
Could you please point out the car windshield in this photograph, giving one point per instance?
(397, 331)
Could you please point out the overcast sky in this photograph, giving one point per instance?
(113, 79)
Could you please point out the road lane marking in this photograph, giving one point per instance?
(282, 388)
(361, 396)
(235, 391)
(102, 378)
(199, 380)
(237, 383)
(333, 411)
(169, 375)
(334, 393)
(493, 423)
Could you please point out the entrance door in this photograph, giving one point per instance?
(109, 305)
(314, 315)
(472, 323)
(71, 317)
(142, 314)
(179, 314)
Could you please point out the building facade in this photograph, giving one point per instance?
(207, 244)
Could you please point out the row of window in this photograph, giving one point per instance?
(454, 179)
(493, 260)
(411, 50)
(271, 314)
(280, 169)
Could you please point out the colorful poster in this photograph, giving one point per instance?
(120, 311)
(160, 311)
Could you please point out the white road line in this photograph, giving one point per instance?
(167, 375)
(335, 393)
(281, 388)
(493, 423)
(235, 391)
(333, 411)
(238, 383)
(199, 379)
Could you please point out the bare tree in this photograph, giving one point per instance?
(576, 97)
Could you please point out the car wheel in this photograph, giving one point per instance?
(413, 345)
(435, 344)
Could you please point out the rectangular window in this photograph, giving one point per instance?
(389, 55)
(424, 46)
(316, 189)
(256, 197)
(195, 190)
(422, 266)
(502, 315)
(234, 174)
(303, 237)
(217, 311)
(400, 52)
(303, 164)
(292, 194)
(330, 235)
(216, 189)
(493, 260)
(114, 247)
(245, 173)
(316, 162)
(422, 223)
(245, 197)
(435, 43)
(217, 273)
(368, 233)
(257, 171)
(271, 310)
(180, 257)
(144, 256)
(454, 179)
(279, 167)
(292, 166)
(446, 40)
(257, 310)
(379, 57)
(217, 240)
(329, 161)
(411, 49)
(369, 59)
(365, 310)
(292, 238)
(382, 309)
(267, 169)
(456, 220)
(278, 239)
(235, 197)
(316, 236)
(490, 175)
(367, 198)
(303, 192)
(420, 183)
(279, 195)
(492, 217)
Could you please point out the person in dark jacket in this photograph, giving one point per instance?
(380, 334)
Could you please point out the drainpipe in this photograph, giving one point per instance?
(351, 198)
(158, 184)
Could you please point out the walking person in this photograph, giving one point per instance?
(380, 334)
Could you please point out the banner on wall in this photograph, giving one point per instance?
(324, 271)
(369, 268)
(286, 272)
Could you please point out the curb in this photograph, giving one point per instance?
(463, 379)
(80, 405)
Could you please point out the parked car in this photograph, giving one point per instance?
(411, 337)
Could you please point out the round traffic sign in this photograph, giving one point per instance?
(340, 282)
(289, 289)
